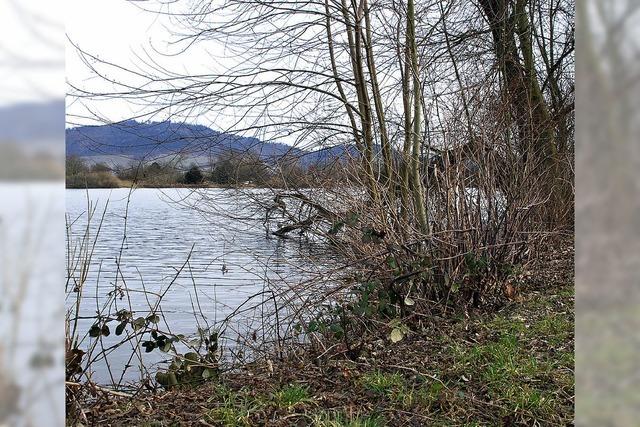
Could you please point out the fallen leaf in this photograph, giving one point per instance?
(396, 335)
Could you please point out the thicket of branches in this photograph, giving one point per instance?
(462, 116)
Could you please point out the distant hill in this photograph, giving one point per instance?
(33, 127)
(140, 140)
(31, 135)
(329, 155)
(32, 121)
(135, 140)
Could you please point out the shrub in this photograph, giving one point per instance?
(193, 175)
(93, 180)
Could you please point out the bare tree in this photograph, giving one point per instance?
(461, 117)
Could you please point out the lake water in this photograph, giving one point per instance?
(31, 310)
(229, 260)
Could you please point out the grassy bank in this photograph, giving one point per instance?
(508, 365)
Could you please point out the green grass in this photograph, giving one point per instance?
(554, 328)
(522, 362)
(156, 424)
(519, 363)
(235, 408)
(382, 383)
(503, 362)
(338, 419)
(292, 395)
(427, 394)
(401, 392)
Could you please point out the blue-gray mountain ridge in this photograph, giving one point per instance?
(137, 140)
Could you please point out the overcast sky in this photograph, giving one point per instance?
(119, 32)
(113, 30)
(31, 50)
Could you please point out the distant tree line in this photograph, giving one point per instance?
(230, 168)
(79, 174)
(19, 164)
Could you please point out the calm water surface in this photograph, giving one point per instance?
(230, 259)
(31, 311)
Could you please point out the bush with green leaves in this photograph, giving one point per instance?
(192, 368)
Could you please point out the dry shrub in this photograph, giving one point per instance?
(101, 179)
(490, 210)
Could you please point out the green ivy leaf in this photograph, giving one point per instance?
(120, 328)
(105, 330)
(173, 381)
(336, 227)
(153, 318)
(139, 323)
(192, 356)
(353, 219)
(123, 315)
(208, 373)
(313, 326)
(392, 262)
(337, 330)
(95, 331)
(149, 346)
(162, 378)
(370, 235)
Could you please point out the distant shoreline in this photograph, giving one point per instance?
(160, 187)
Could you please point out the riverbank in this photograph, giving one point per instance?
(129, 184)
(511, 365)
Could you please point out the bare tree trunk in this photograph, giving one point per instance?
(541, 122)
(509, 22)
(465, 103)
(334, 70)
(377, 99)
(354, 36)
(405, 70)
(416, 181)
